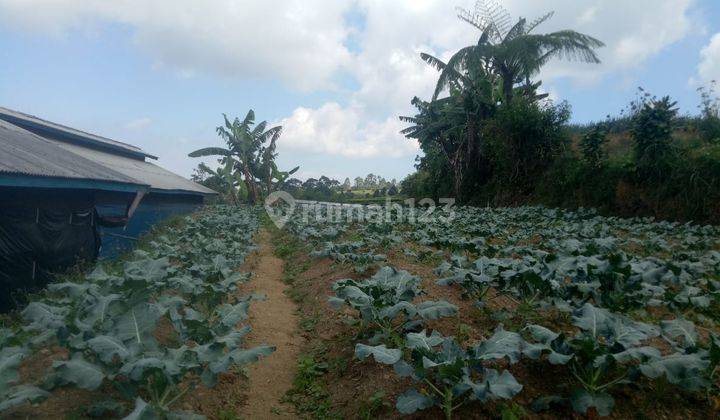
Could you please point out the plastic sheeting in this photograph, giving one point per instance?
(49, 231)
(153, 209)
(43, 235)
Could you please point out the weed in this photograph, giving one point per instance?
(512, 411)
(309, 395)
(463, 332)
(374, 404)
(227, 414)
(308, 324)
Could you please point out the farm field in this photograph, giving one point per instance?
(146, 336)
(522, 312)
(478, 209)
(512, 313)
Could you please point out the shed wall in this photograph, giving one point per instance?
(154, 208)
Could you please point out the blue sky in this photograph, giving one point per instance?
(336, 74)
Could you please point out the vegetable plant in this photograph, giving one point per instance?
(385, 303)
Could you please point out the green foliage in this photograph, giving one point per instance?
(349, 252)
(492, 140)
(652, 133)
(108, 320)
(309, 394)
(249, 158)
(225, 180)
(609, 352)
(508, 56)
(450, 376)
(597, 276)
(512, 411)
(430, 180)
(374, 404)
(462, 137)
(592, 146)
(384, 302)
(523, 139)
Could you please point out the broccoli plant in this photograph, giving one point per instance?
(609, 351)
(384, 303)
(476, 279)
(109, 321)
(449, 376)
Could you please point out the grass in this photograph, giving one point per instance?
(227, 414)
(309, 393)
(370, 407)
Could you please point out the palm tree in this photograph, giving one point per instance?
(245, 149)
(507, 57)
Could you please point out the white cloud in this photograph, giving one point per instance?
(138, 124)
(334, 130)
(390, 72)
(709, 67)
(633, 31)
(297, 41)
(302, 42)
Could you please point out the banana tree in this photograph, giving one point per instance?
(279, 176)
(232, 186)
(267, 168)
(244, 142)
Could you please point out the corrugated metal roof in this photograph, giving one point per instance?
(71, 153)
(24, 153)
(34, 123)
(158, 178)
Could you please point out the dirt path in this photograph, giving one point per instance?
(273, 322)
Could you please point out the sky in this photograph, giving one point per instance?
(336, 74)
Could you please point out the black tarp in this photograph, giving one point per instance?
(41, 233)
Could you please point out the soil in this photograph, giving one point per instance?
(274, 321)
(352, 384)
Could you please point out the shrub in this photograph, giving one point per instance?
(523, 139)
(592, 145)
(694, 187)
(652, 134)
(709, 122)
(573, 183)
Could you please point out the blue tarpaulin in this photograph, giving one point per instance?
(151, 211)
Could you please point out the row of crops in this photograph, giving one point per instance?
(614, 302)
(145, 331)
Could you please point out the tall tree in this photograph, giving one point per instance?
(359, 182)
(482, 77)
(512, 55)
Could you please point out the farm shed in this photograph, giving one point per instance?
(64, 193)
